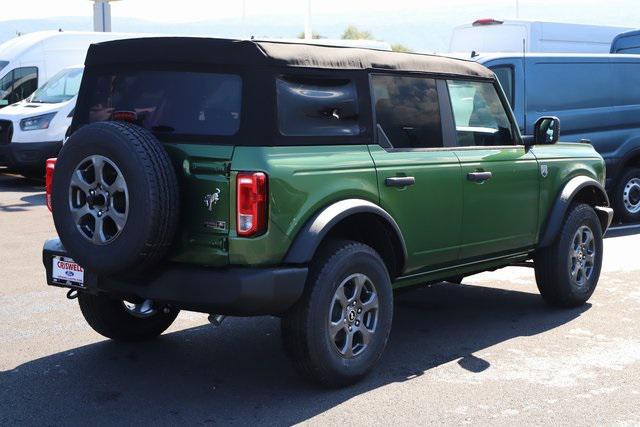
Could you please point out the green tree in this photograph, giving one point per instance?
(399, 47)
(313, 36)
(354, 33)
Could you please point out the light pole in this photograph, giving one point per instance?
(308, 32)
(102, 15)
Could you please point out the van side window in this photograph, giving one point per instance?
(504, 73)
(310, 106)
(407, 111)
(480, 117)
(17, 84)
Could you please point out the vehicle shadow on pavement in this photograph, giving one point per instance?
(238, 373)
(18, 184)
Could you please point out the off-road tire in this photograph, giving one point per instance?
(109, 318)
(154, 201)
(622, 212)
(305, 328)
(552, 264)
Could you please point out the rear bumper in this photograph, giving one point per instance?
(239, 291)
(28, 155)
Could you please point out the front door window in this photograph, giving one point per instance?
(480, 116)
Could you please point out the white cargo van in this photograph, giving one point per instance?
(33, 129)
(491, 35)
(28, 61)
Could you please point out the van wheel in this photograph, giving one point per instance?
(567, 272)
(627, 196)
(120, 320)
(339, 329)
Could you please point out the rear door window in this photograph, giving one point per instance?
(407, 111)
(480, 117)
(169, 102)
(310, 106)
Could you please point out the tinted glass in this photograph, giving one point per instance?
(505, 77)
(480, 117)
(169, 102)
(3, 64)
(407, 110)
(60, 88)
(317, 107)
(18, 84)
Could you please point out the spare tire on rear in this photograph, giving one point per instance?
(115, 198)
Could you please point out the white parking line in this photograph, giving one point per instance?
(624, 227)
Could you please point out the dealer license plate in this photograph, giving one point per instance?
(67, 270)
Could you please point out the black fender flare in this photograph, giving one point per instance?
(563, 201)
(316, 228)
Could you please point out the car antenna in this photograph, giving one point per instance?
(524, 83)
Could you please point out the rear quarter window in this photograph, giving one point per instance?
(317, 106)
(169, 102)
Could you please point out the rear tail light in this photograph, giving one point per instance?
(50, 166)
(125, 116)
(251, 203)
(489, 21)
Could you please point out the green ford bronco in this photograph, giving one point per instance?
(252, 178)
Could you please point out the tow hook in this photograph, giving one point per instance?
(72, 294)
(216, 319)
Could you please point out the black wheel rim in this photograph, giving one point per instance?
(353, 315)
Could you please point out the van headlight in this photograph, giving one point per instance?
(37, 122)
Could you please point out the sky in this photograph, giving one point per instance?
(612, 12)
(422, 25)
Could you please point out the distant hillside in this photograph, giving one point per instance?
(414, 34)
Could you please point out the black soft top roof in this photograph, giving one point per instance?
(199, 50)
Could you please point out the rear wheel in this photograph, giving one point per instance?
(125, 320)
(627, 196)
(339, 329)
(567, 272)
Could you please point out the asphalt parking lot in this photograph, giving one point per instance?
(488, 351)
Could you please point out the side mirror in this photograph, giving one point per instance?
(546, 130)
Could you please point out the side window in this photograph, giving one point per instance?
(6, 84)
(18, 84)
(504, 74)
(407, 111)
(480, 117)
(317, 106)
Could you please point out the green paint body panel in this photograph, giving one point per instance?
(450, 225)
(500, 214)
(428, 213)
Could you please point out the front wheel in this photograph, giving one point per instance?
(567, 272)
(339, 329)
(121, 320)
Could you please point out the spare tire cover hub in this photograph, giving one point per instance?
(98, 199)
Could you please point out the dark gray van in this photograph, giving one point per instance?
(628, 42)
(596, 97)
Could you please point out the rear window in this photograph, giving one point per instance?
(317, 107)
(169, 102)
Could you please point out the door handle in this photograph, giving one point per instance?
(479, 177)
(399, 181)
